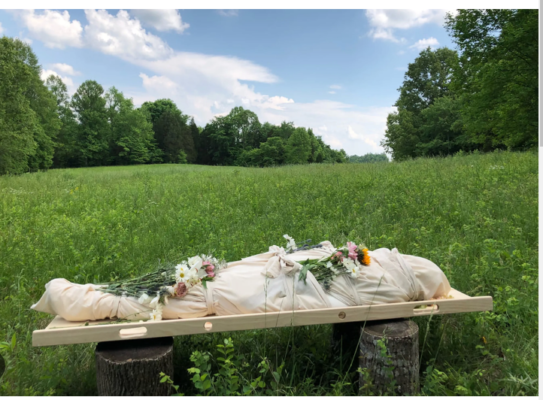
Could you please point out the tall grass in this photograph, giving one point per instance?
(475, 216)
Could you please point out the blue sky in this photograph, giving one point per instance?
(336, 71)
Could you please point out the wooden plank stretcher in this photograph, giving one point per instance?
(62, 332)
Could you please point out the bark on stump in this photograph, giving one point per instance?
(401, 364)
(133, 367)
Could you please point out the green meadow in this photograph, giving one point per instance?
(473, 215)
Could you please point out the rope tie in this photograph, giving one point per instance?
(208, 293)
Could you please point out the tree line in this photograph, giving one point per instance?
(42, 127)
(483, 98)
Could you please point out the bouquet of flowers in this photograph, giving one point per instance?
(154, 288)
(346, 260)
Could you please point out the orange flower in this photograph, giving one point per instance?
(366, 259)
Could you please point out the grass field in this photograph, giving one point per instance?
(475, 216)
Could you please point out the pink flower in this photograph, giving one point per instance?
(210, 268)
(352, 250)
(338, 255)
(206, 263)
(181, 289)
(211, 274)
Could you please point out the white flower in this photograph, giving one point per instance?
(181, 272)
(170, 289)
(155, 300)
(144, 299)
(155, 316)
(195, 262)
(351, 267)
(329, 264)
(291, 243)
(193, 278)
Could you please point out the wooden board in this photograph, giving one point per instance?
(61, 332)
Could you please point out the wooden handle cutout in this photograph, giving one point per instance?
(426, 310)
(133, 332)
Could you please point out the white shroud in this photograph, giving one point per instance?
(262, 283)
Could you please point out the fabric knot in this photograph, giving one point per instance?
(279, 261)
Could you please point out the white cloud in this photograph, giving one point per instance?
(1, 29)
(27, 40)
(332, 92)
(123, 37)
(228, 13)
(70, 86)
(425, 43)
(384, 22)
(335, 87)
(158, 84)
(161, 20)
(368, 140)
(64, 69)
(53, 28)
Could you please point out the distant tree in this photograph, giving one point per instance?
(65, 143)
(227, 137)
(317, 152)
(426, 80)
(131, 132)
(195, 133)
(298, 147)
(89, 106)
(155, 110)
(18, 121)
(497, 76)
(172, 135)
(369, 158)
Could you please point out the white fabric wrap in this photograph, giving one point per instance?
(265, 282)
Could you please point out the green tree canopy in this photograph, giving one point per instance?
(29, 121)
(497, 76)
(65, 143)
(131, 132)
(426, 81)
(18, 122)
(89, 106)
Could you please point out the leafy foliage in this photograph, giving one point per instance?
(497, 76)
(369, 158)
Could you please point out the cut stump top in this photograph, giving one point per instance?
(392, 328)
(132, 350)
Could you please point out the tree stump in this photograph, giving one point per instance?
(394, 366)
(133, 367)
